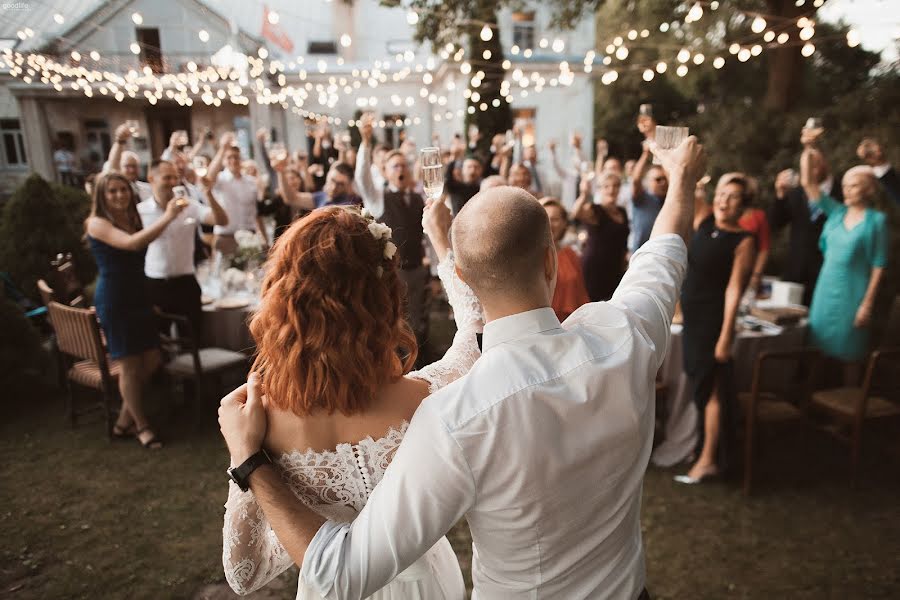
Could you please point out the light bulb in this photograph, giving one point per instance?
(622, 53)
(758, 25)
(661, 67)
(486, 34)
(682, 70)
(59, 19)
(853, 38)
(664, 27)
(783, 37)
(808, 50)
(734, 48)
(412, 17)
(719, 62)
(346, 40)
(648, 75)
(806, 33)
(135, 48)
(274, 18)
(203, 35)
(744, 55)
(756, 50)
(698, 59)
(770, 35)
(137, 18)
(683, 55)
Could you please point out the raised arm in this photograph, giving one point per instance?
(114, 163)
(215, 166)
(467, 311)
(583, 210)
(252, 556)
(216, 214)
(262, 137)
(684, 166)
(372, 197)
(640, 169)
(103, 230)
(291, 196)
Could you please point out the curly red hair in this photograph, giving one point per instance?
(331, 326)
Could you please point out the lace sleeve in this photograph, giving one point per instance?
(251, 553)
(464, 351)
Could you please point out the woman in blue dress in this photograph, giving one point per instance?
(854, 246)
(119, 244)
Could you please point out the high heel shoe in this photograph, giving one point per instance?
(688, 480)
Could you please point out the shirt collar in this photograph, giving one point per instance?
(519, 325)
(881, 169)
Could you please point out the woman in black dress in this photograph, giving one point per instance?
(119, 242)
(720, 261)
(606, 224)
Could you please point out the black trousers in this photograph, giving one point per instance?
(179, 296)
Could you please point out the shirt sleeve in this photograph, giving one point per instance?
(651, 287)
(427, 488)
(201, 211)
(372, 197)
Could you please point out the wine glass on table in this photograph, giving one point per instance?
(432, 174)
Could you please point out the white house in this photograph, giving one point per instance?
(331, 59)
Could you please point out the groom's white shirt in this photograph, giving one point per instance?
(542, 446)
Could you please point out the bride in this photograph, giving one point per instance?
(334, 356)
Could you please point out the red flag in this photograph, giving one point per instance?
(274, 33)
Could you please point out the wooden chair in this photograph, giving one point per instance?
(850, 407)
(83, 359)
(64, 280)
(787, 403)
(187, 362)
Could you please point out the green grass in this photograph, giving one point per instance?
(81, 517)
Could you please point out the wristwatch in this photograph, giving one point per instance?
(241, 474)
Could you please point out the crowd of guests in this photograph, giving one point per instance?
(148, 236)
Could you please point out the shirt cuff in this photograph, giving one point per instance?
(323, 560)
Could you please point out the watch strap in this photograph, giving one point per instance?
(241, 474)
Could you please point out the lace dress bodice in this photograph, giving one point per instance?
(336, 483)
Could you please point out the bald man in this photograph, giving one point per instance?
(542, 445)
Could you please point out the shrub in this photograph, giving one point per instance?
(22, 358)
(39, 221)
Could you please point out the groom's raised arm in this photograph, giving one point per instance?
(427, 488)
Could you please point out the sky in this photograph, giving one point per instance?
(878, 22)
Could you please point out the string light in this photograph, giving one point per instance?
(853, 38)
(808, 50)
(273, 17)
(137, 18)
(346, 41)
(783, 37)
(203, 35)
(135, 48)
(770, 35)
(412, 17)
(681, 71)
(59, 19)
(661, 67)
(648, 75)
(758, 25)
(718, 62)
(486, 34)
(807, 33)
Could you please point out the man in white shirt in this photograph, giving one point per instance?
(169, 263)
(127, 163)
(542, 446)
(237, 194)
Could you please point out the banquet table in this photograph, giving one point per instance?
(680, 430)
(228, 327)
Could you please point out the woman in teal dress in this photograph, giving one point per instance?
(854, 246)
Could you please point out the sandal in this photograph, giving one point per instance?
(153, 443)
(123, 433)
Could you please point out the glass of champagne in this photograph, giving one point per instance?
(432, 173)
(668, 138)
(133, 127)
(278, 152)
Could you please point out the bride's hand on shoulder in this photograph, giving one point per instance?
(242, 420)
(436, 221)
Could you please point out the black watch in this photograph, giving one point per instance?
(241, 474)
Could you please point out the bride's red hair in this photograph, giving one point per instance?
(330, 331)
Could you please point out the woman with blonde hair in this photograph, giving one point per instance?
(335, 355)
(119, 243)
(854, 244)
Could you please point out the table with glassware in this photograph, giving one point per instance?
(753, 336)
(230, 295)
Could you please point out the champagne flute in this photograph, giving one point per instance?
(432, 173)
(181, 198)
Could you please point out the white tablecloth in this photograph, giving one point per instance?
(681, 423)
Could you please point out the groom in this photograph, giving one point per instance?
(542, 446)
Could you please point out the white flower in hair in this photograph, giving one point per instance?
(380, 231)
(389, 250)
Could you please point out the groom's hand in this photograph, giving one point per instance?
(242, 420)
(436, 221)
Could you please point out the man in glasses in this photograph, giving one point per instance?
(338, 188)
(648, 191)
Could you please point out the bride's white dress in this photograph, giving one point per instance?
(336, 484)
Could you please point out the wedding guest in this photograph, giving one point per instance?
(237, 193)
(520, 176)
(647, 196)
(127, 162)
(570, 292)
(720, 259)
(273, 203)
(870, 152)
(119, 242)
(66, 164)
(337, 355)
(568, 174)
(400, 208)
(606, 224)
(338, 190)
(462, 187)
(854, 243)
(492, 181)
(169, 264)
(754, 221)
(530, 162)
(792, 206)
(323, 154)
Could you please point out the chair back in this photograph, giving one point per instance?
(892, 328)
(177, 337)
(78, 332)
(882, 377)
(46, 292)
(64, 280)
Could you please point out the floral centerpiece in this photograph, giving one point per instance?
(250, 251)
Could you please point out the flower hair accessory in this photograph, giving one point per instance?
(380, 232)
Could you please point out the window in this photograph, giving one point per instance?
(12, 152)
(523, 29)
(524, 119)
(97, 139)
(322, 48)
(151, 53)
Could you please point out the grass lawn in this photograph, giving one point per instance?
(81, 517)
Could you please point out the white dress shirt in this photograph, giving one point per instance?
(542, 446)
(881, 169)
(172, 253)
(237, 195)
